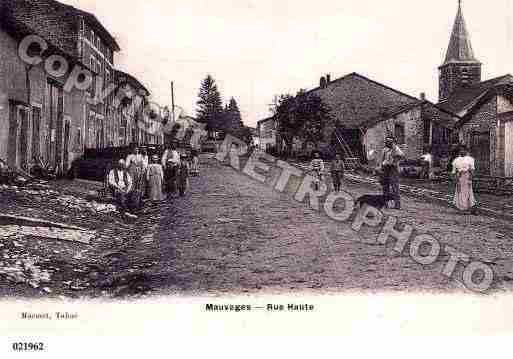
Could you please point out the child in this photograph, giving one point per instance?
(337, 172)
(317, 167)
(183, 175)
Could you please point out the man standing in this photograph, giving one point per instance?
(120, 184)
(392, 155)
(170, 162)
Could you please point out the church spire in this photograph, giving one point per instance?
(460, 48)
(460, 68)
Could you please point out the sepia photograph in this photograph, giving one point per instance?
(251, 168)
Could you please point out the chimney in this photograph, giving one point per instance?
(328, 79)
(322, 82)
(423, 96)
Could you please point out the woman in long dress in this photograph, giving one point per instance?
(463, 168)
(155, 177)
(136, 165)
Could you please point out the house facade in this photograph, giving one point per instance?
(37, 117)
(487, 129)
(133, 96)
(267, 134)
(54, 120)
(417, 128)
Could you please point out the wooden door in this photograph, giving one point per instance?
(508, 149)
(65, 162)
(480, 150)
(36, 131)
(22, 138)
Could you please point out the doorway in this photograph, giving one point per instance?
(480, 150)
(22, 133)
(508, 149)
(36, 132)
(65, 163)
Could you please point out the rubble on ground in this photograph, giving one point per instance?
(24, 270)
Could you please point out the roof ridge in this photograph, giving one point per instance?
(366, 79)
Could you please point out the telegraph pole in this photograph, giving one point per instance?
(173, 101)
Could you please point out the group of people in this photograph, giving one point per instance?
(138, 177)
(337, 169)
(462, 170)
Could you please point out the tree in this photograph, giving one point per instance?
(302, 117)
(314, 115)
(287, 124)
(233, 122)
(210, 105)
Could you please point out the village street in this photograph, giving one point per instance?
(231, 234)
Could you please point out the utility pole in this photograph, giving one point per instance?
(173, 100)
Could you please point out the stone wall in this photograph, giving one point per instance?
(485, 121)
(413, 135)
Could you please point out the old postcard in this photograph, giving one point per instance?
(177, 175)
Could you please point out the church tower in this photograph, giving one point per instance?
(460, 68)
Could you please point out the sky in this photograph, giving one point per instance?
(256, 49)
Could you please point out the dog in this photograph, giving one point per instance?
(376, 201)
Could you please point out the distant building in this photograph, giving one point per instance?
(255, 136)
(134, 97)
(486, 107)
(267, 133)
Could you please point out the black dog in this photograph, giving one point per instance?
(376, 201)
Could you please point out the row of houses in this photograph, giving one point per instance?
(470, 111)
(60, 91)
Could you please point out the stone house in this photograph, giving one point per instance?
(355, 101)
(418, 127)
(487, 129)
(70, 119)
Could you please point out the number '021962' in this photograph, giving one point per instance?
(28, 346)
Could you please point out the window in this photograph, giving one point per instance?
(91, 37)
(399, 133)
(98, 43)
(92, 88)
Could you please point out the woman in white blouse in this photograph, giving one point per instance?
(463, 168)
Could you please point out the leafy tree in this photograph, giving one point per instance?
(210, 105)
(314, 115)
(303, 117)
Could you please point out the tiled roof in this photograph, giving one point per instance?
(356, 99)
(461, 99)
